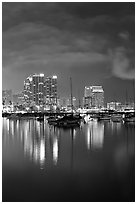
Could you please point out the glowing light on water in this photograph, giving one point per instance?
(95, 135)
(88, 138)
(55, 151)
(42, 152)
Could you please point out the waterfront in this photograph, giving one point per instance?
(95, 162)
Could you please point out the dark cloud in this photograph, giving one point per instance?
(67, 38)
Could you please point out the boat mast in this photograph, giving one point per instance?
(71, 95)
(79, 99)
(126, 99)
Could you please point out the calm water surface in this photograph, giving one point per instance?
(93, 163)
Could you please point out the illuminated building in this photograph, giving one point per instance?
(34, 89)
(87, 97)
(74, 102)
(50, 87)
(38, 88)
(28, 89)
(93, 97)
(114, 106)
(62, 102)
(18, 99)
(97, 97)
(6, 96)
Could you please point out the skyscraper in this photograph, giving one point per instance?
(34, 89)
(87, 97)
(51, 90)
(38, 88)
(28, 89)
(97, 97)
(93, 97)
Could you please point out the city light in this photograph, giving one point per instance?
(41, 75)
(54, 77)
(30, 78)
(68, 101)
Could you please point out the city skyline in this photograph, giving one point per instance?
(92, 44)
(68, 101)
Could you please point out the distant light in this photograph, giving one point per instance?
(30, 78)
(54, 77)
(41, 75)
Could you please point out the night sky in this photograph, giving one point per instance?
(91, 42)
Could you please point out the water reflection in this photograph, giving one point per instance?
(55, 150)
(41, 142)
(29, 146)
(114, 126)
(95, 135)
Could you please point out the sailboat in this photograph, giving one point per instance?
(69, 120)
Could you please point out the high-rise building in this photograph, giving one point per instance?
(93, 97)
(34, 89)
(97, 97)
(87, 91)
(87, 97)
(28, 89)
(51, 90)
(38, 88)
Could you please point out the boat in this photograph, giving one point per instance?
(116, 118)
(88, 118)
(13, 116)
(129, 117)
(105, 117)
(53, 120)
(20, 116)
(40, 119)
(132, 119)
(68, 121)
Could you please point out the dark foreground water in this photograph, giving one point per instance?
(93, 163)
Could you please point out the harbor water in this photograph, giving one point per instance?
(94, 162)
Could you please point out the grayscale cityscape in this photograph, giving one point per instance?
(68, 102)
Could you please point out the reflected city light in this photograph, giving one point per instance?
(88, 138)
(34, 137)
(12, 127)
(55, 151)
(17, 125)
(42, 152)
(7, 124)
(36, 153)
(115, 126)
(95, 135)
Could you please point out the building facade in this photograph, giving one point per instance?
(34, 89)
(38, 88)
(97, 97)
(114, 106)
(88, 97)
(93, 97)
(28, 85)
(50, 90)
(7, 97)
(18, 99)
